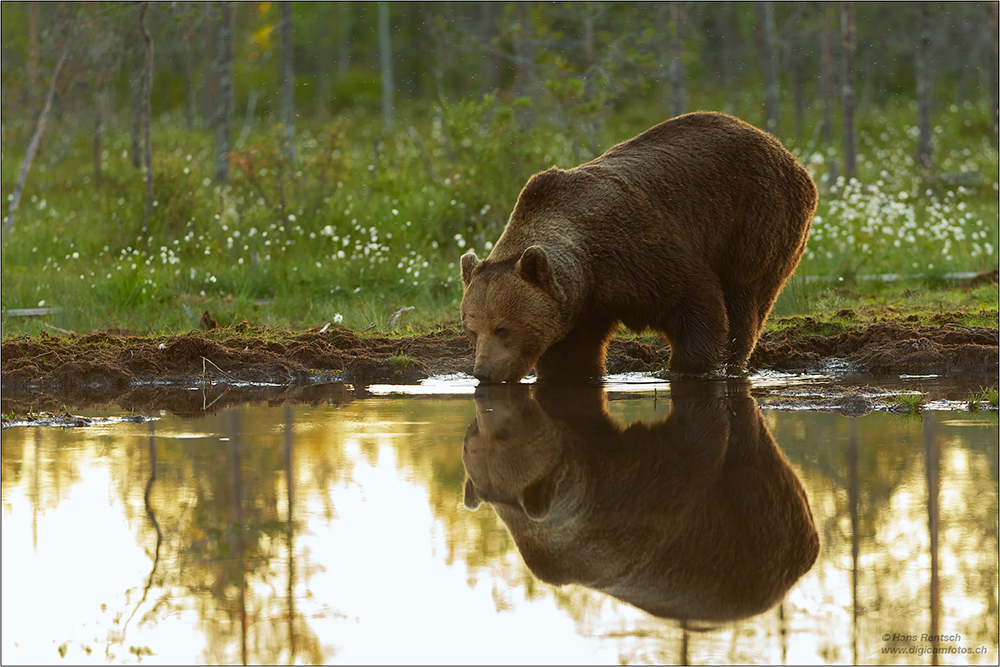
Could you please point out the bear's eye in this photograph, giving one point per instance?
(501, 332)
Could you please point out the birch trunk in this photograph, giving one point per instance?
(385, 60)
(36, 138)
(32, 58)
(287, 82)
(147, 113)
(826, 81)
(769, 66)
(847, 34)
(925, 84)
(224, 102)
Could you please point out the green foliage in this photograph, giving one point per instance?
(361, 223)
(910, 404)
(401, 362)
(990, 397)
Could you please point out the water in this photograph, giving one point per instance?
(342, 532)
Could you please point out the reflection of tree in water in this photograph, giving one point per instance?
(226, 511)
(119, 637)
(50, 460)
(902, 496)
(477, 539)
(854, 480)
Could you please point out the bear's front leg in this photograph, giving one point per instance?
(579, 356)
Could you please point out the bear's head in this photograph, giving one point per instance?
(512, 451)
(511, 311)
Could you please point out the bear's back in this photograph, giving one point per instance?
(729, 189)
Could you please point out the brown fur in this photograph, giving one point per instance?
(691, 228)
(698, 517)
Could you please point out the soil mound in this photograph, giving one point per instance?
(106, 366)
(889, 348)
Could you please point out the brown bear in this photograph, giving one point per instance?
(697, 517)
(690, 228)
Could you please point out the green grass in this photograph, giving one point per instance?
(990, 397)
(910, 404)
(345, 236)
(401, 362)
(914, 302)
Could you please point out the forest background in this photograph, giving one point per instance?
(300, 163)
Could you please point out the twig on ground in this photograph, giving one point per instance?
(204, 359)
(65, 331)
(399, 313)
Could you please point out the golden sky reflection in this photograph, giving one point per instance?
(384, 564)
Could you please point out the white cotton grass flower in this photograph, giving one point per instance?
(888, 224)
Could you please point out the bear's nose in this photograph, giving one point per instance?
(483, 376)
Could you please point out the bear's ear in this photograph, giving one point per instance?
(471, 499)
(534, 268)
(536, 499)
(469, 264)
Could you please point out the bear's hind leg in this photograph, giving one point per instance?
(748, 311)
(578, 356)
(745, 325)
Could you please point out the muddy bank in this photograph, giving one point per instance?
(143, 371)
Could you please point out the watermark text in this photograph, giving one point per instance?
(925, 644)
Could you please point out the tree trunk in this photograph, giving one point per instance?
(248, 119)
(323, 65)
(730, 59)
(847, 34)
(589, 85)
(994, 76)
(385, 60)
(676, 73)
(669, 18)
(147, 113)
(925, 84)
(826, 80)
(36, 138)
(135, 100)
(344, 38)
(663, 49)
(287, 82)
(798, 57)
(799, 84)
(769, 63)
(189, 102)
(32, 58)
(489, 73)
(101, 57)
(524, 62)
(224, 98)
(588, 55)
(98, 119)
(726, 39)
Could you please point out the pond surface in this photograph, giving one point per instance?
(650, 523)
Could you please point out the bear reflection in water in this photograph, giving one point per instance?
(696, 517)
